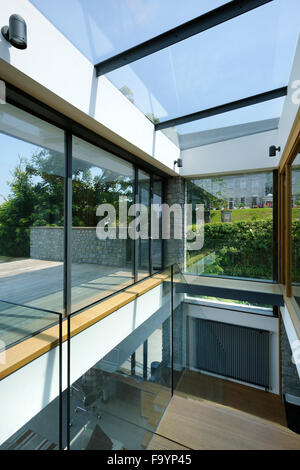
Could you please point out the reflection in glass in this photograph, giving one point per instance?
(117, 403)
(250, 120)
(238, 229)
(231, 61)
(157, 243)
(31, 222)
(40, 433)
(296, 228)
(99, 266)
(143, 266)
(36, 398)
(109, 28)
(241, 305)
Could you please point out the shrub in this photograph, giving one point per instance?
(242, 249)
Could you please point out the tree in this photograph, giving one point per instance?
(16, 214)
(37, 197)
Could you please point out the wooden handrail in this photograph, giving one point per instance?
(26, 351)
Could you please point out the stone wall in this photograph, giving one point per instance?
(48, 243)
(174, 249)
(290, 377)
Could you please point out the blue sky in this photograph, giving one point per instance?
(11, 149)
(250, 54)
(102, 28)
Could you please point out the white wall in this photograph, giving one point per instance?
(291, 107)
(114, 110)
(244, 319)
(52, 70)
(250, 153)
(27, 391)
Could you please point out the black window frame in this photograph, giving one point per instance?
(33, 106)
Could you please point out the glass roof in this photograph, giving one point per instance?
(103, 28)
(197, 139)
(247, 55)
(250, 54)
(253, 119)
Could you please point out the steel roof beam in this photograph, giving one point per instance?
(197, 25)
(224, 108)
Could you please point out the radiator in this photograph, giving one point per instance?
(233, 351)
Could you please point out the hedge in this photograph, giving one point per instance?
(244, 249)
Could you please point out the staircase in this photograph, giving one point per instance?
(26, 439)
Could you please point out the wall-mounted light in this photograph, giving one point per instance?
(273, 149)
(16, 32)
(178, 162)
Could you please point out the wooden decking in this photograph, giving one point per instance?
(38, 283)
(203, 425)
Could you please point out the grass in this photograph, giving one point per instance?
(192, 259)
(232, 301)
(296, 213)
(246, 215)
(7, 259)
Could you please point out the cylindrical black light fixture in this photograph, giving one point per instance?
(178, 162)
(16, 32)
(273, 149)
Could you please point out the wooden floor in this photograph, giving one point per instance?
(225, 392)
(161, 443)
(202, 425)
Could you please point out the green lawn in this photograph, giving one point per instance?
(243, 214)
(296, 213)
(250, 214)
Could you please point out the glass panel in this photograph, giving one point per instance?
(29, 408)
(250, 54)
(241, 122)
(157, 242)
(263, 309)
(117, 403)
(221, 352)
(296, 228)
(238, 226)
(31, 212)
(290, 380)
(222, 355)
(143, 243)
(108, 27)
(18, 322)
(100, 265)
